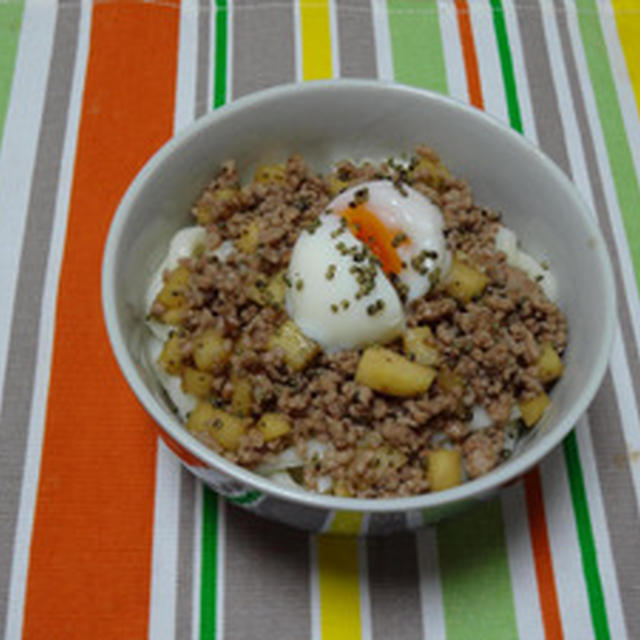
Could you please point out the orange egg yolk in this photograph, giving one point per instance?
(369, 229)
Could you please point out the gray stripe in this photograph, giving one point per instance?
(355, 38)
(393, 588)
(263, 46)
(266, 579)
(620, 501)
(203, 74)
(385, 523)
(266, 565)
(23, 343)
(186, 534)
(620, 505)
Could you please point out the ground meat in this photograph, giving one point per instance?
(377, 444)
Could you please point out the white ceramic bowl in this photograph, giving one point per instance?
(325, 122)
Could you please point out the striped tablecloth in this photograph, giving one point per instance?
(102, 534)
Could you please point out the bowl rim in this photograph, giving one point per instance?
(477, 488)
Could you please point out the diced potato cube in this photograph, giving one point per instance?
(437, 172)
(389, 458)
(388, 372)
(531, 410)
(249, 238)
(211, 351)
(444, 469)
(418, 344)
(273, 425)
(171, 356)
(465, 282)
(271, 173)
(172, 293)
(298, 349)
(341, 489)
(269, 292)
(549, 364)
(223, 427)
(175, 316)
(448, 381)
(196, 382)
(242, 397)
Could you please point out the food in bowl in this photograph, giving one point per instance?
(369, 333)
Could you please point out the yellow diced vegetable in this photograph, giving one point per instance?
(444, 469)
(419, 345)
(389, 458)
(211, 351)
(436, 171)
(465, 282)
(172, 293)
(388, 372)
(336, 185)
(249, 238)
(271, 173)
(341, 489)
(242, 397)
(223, 427)
(171, 356)
(298, 349)
(532, 410)
(175, 316)
(196, 382)
(273, 425)
(549, 364)
(269, 292)
(448, 381)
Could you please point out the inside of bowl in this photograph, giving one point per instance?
(369, 122)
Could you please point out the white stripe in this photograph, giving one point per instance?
(363, 584)
(431, 605)
(519, 71)
(164, 582)
(382, 37)
(220, 564)
(31, 473)
(565, 550)
(297, 32)
(606, 564)
(495, 102)
(314, 588)
(18, 152)
(524, 585)
(187, 65)
(452, 51)
(624, 384)
(335, 40)
(164, 562)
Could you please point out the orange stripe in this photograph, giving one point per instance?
(542, 556)
(90, 562)
(469, 54)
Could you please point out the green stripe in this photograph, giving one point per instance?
(574, 470)
(508, 76)
(620, 159)
(10, 23)
(416, 44)
(208, 565)
(585, 536)
(220, 84)
(476, 585)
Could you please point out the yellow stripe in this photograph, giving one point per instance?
(316, 39)
(338, 577)
(628, 21)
